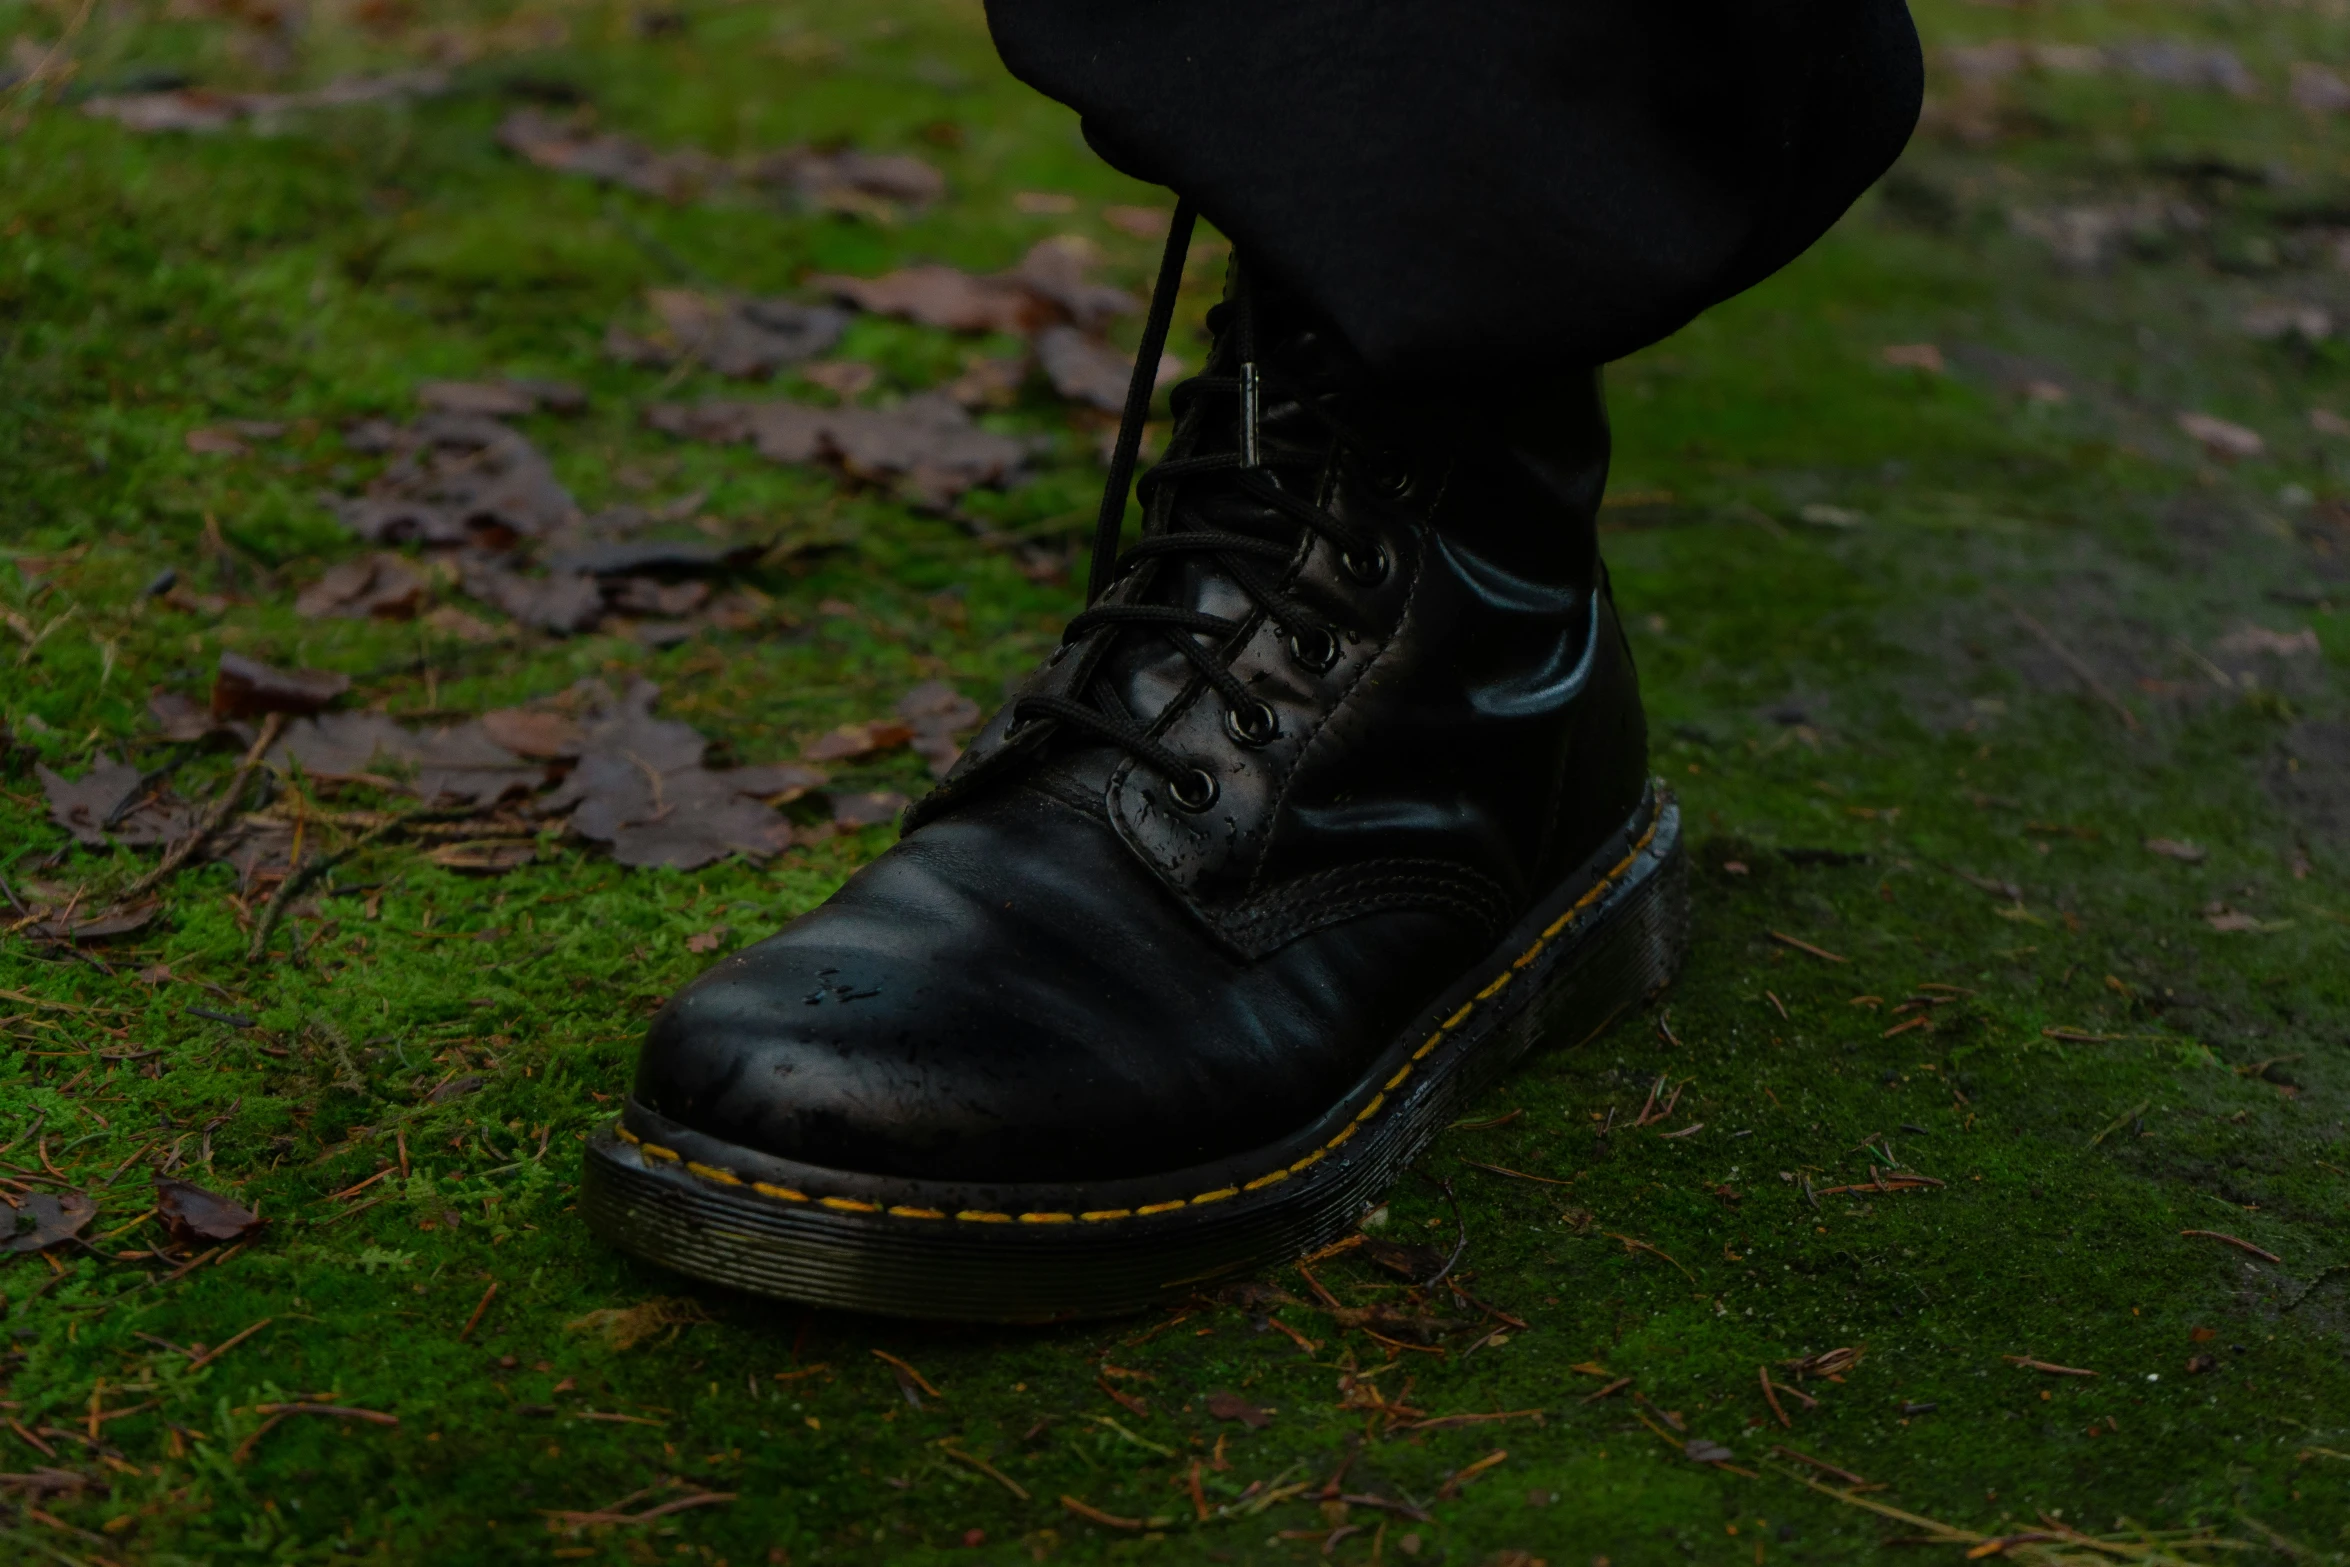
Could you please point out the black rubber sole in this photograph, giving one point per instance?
(1602, 941)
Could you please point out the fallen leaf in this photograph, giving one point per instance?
(455, 1088)
(561, 602)
(2178, 849)
(624, 1327)
(1706, 1452)
(97, 926)
(460, 763)
(1416, 1263)
(988, 381)
(451, 621)
(534, 733)
(2327, 422)
(195, 1216)
(1087, 370)
(215, 442)
(455, 480)
(1051, 285)
(856, 183)
(2221, 439)
(707, 940)
(641, 787)
(40, 1220)
(868, 809)
(743, 338)
(569, 147)
(181, 717)
(380, 587)
(246, 688)
(926, 447)
(1231, 1406)
(2232, 921)
(199, 110)
(846, 379)
(82, 805)
(1913, 356)
(856, 740)
(937, 713)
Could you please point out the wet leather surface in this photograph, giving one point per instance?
(1061, 974)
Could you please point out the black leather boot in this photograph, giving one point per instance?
(1332, 804)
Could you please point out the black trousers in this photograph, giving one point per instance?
(1491, 190)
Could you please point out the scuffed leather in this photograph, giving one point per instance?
(1058, 975)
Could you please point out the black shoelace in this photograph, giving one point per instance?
(1240, 475)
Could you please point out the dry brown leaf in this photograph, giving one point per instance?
(868, 809)
(455, 480)
(926, 447)
(246, 688)
(379, 587)
(39, 1220)
(534, 732)
(855, 740)
(1231, 1406)
(195, 1216)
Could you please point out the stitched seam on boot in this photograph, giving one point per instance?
(1378, 1101)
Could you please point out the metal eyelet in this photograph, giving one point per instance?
(1394, 483)
(1369, 571)
(1193, 792)
(1252, 726)
(1314, 647)
(1059, 652)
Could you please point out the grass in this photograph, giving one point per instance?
(1828, 563)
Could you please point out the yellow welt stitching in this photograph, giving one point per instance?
(1531, 953)
(1372, 1108)
(711, 1172)
(625, 1134)
(1159, 1207)
(1624, 864)
(1401, 1073)
(1048, 1218)
(978, 1216)
(1266, 1180)
(1460, 1017)
(1340, 1138)
(1308, 1159)
(917, 1213)
(1434, 1040)
(659, 1152)
(1217, 1195)
(849, 1205)
(1489, 991)
(1559, 924)
(1099, 1214)
(783, 1192)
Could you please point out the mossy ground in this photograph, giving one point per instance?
(1859, 679)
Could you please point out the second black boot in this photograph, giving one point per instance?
(1331, 805)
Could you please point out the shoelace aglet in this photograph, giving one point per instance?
(1250, 405)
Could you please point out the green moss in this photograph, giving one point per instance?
(1864, 732)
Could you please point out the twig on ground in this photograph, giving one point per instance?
(215, 815)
